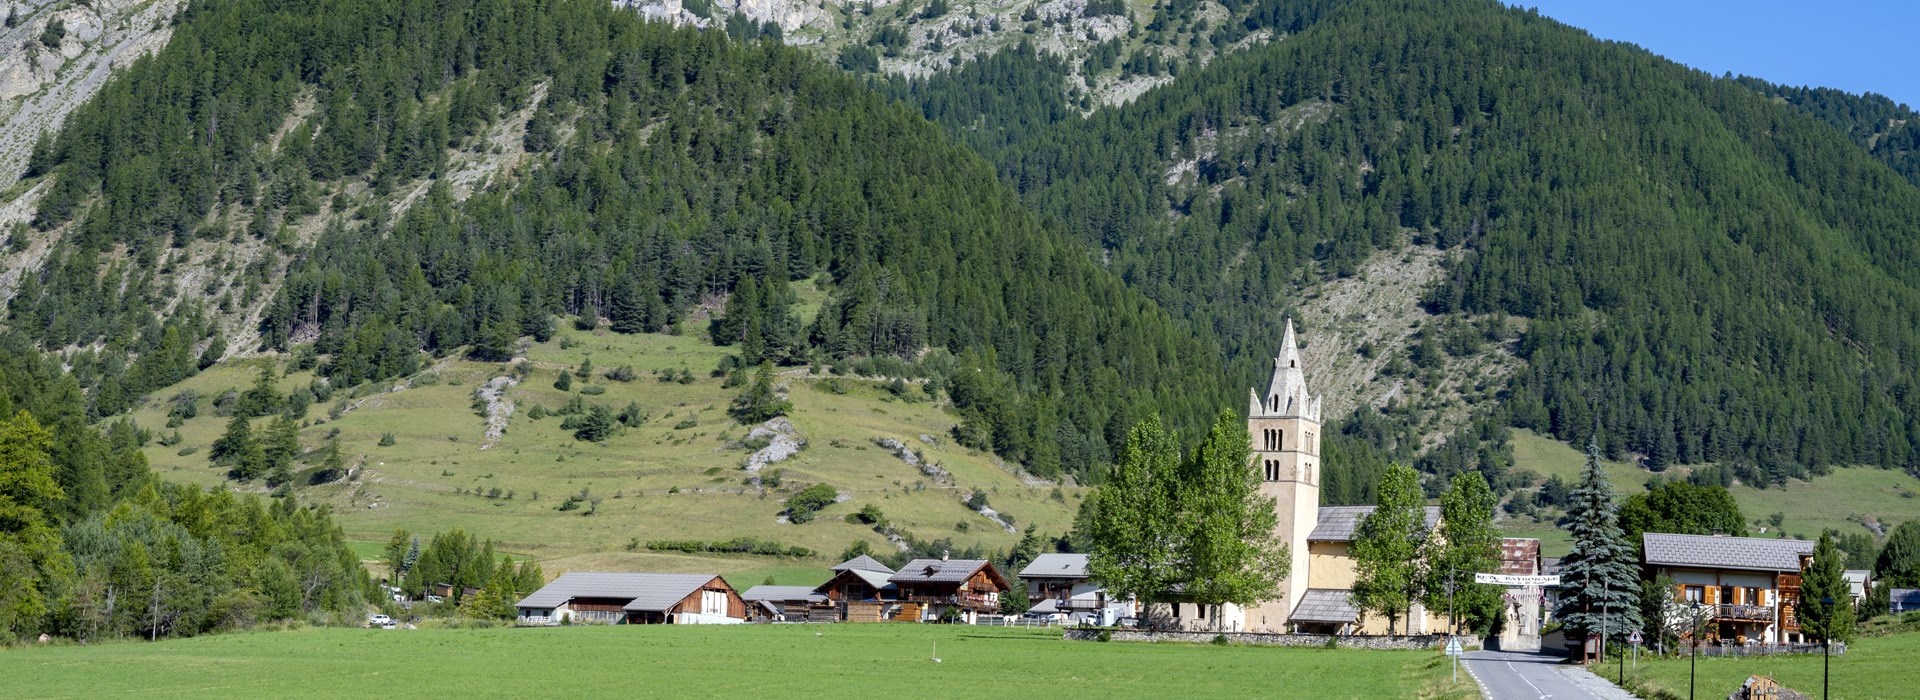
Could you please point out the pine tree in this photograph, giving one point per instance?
(1826, 580)
(1386, 547)
(564, 382)
(743, 309)
(413, 557)
(260, 399)
(1597, 578)
(628, 313)
(281, 449)
(233, 443)
(759, 403)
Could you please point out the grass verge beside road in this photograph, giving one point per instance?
(849, 660)
(1874, 668)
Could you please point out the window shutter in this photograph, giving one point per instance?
(1713, 595)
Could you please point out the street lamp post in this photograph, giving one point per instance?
(1693, 659)
(1826, 647)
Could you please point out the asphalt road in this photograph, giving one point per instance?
(1517, 675)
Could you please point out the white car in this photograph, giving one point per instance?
(380, 621)
(399, 597)
(435, 599)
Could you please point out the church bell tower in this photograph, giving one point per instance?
(1284, 423)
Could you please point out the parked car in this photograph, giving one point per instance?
(431, 598)
(399, 597)
(380, 621)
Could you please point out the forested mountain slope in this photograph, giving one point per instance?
(1703, 273)
(289, 162)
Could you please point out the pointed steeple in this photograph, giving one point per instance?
(1287, 393)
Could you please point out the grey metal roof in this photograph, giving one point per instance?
(782, 594)
(1326, 605)
(1338, 523)
(863, 563)
(1719, 552)
(645, 591)
(937, 571)
(1056, 565)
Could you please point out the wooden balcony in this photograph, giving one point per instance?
(1744, 613)
(970, 601)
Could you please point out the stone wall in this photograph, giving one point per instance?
(1419, 641)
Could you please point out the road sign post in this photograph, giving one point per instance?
(1635, 640)
(1454, 651)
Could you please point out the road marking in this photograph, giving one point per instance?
(1523, 679)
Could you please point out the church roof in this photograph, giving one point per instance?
(1338, 523)
(1326, 605)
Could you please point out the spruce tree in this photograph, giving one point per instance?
(1386, 547)
(1826, 580)
(628, 313)
(1597, 578)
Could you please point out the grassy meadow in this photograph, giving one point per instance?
(1874, 668)
(677, 476)
(1843, 500)
(748, 661)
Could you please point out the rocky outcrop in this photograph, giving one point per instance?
(499, 408)
(782, 444)
(906, 454)
(41, 83)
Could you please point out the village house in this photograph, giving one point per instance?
(861, 592)
(1858, 582)
(942, 589)
(1284, 426)
(635, 599)
(1521, 605)
(767, 603)
(1059, 588)
(1747, 588)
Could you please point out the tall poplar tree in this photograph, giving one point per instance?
(1386, 547)
(1826, 579)
(1468, 544)
(1597, 578)
(1231, 554)
(1131, 524)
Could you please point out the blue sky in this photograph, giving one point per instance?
(1853, 45)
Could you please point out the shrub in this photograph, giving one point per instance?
(802, 506)
(623, 373)
(386, 440)
(593, 390)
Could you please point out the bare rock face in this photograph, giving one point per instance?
(499, 407)
(41, 83)
(783, 442)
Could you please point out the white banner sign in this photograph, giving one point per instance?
(1515, 580)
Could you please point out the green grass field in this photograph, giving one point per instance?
(1843, 500)
(678, 476)
(1874, 668)
(749, 661)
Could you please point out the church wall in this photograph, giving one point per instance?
(1331, 565)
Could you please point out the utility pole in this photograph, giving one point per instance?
(1606, 593)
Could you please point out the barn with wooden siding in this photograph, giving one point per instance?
(959, 589)
(634, 599)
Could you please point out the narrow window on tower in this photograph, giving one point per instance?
(1279, 439)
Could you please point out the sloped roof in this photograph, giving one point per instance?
(644, 591)
(1326, 605)
(1719, 552)
(863, 563)
(1056, 565)
(782, 594)
(873, 579)
(1338, 523)
(945, 571)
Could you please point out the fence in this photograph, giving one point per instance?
(1761, 649)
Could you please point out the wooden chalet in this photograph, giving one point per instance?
(633, 599)
(1746, 589)
(943, 589)
(860, 592)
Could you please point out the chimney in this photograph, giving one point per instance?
(943, 555)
